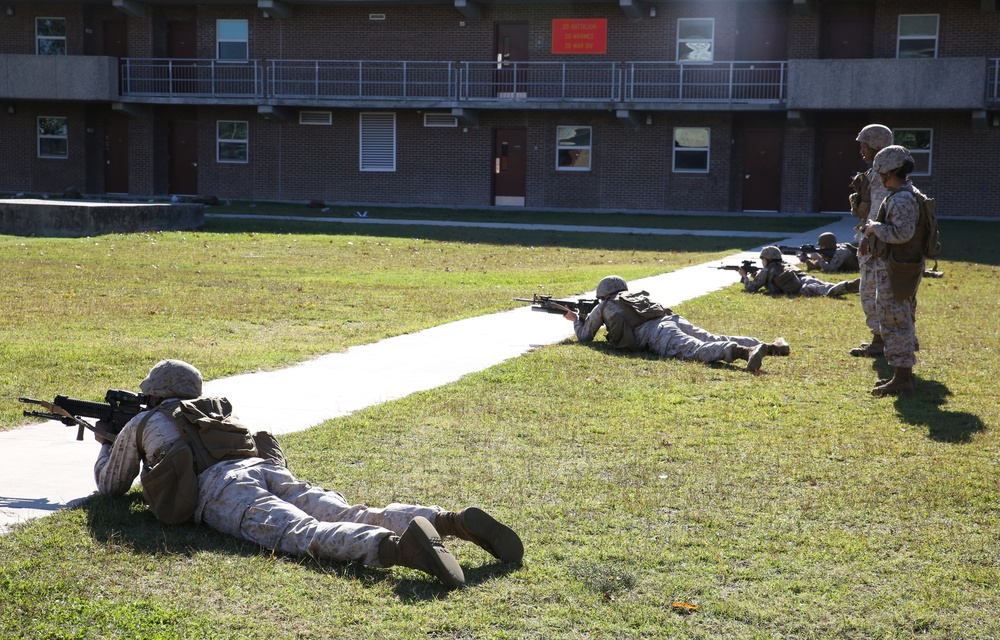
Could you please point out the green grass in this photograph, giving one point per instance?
(789, 505)
(783, 225)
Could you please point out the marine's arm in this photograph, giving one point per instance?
(118, 464)
(587, 329)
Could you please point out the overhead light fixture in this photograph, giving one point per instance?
(652, 12)
(11, 108)
(649, 118)
(10, 9)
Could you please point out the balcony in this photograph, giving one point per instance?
(77, 78)
(939, 83)
(417, 84)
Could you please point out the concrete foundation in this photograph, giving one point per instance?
(69, 218)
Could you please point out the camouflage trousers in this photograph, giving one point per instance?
(814, 286)
(265, 504)
(896, 320)
(674, 337)
(867, 292)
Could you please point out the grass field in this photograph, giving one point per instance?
(789, 505)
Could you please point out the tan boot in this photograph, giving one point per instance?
(778, 348)
(420, 548)
(753, 355)
(901, 382)
(475, 525)
(872, 349)
(854, 286)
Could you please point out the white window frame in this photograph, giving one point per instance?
(219, 40)
(937, 31)
(897, 135)
(43, 136)
(707, 149)
(39, 38)
(588, 148)
(681, 42)
(244, 142)
(377, 141)
(440, 120)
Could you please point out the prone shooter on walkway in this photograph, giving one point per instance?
(778, 277)
(201, 464)
(636, 323)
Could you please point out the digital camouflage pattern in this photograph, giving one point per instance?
(261, 502)
(671, 336)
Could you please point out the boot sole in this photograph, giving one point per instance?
(756, 358)
(490, 534)
(446, 567)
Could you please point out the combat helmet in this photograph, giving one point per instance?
(876, 136)
(172, 379)
(772, 253)
(891, 158)
(827, 240)
(611, 284)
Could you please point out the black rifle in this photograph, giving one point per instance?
(804, 250)
(117, 409)
(582, 306)
(748, 266)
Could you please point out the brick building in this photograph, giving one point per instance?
(710, 105)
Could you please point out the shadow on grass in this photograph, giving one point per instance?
(924, 408)
(126, 523)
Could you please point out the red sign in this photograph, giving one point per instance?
(580, 36)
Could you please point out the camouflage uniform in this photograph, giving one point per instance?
(670, 336)
(845, 254)
(259, 501)
(895, 316)
(866, 266)
(810, 286)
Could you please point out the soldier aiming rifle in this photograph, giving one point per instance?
(582, 306)
(747, 266)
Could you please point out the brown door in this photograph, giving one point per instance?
(182, 158)
(763, 33)
(116, 44)
(847, 30)
(182, 49)
(510, 167)
(511, 48)
(116, 155)
(840, 161)
(761, 169)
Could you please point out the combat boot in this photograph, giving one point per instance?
(420, 548)
(901, 382)
(838, 289)
(853, 286)
(475, 525)
(871, 349)
(753, 355)
(778, 348)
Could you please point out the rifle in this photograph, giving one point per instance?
(118, 408)
(747, 266)
(804, 250)
(582, 306)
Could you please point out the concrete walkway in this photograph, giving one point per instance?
(49, 469)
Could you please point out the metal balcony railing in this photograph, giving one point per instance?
(189, 78)
(603, 82)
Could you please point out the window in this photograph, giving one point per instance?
(53, 138)
(378, 142)
(918, 142)
(573, 148)
(440, 120)
(232, 39)
(691, 150)
(918, 36)
(695, 39)
(316, 117)
(233, 141)
(50, 36)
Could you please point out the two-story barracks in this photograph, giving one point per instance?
(728, 105)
